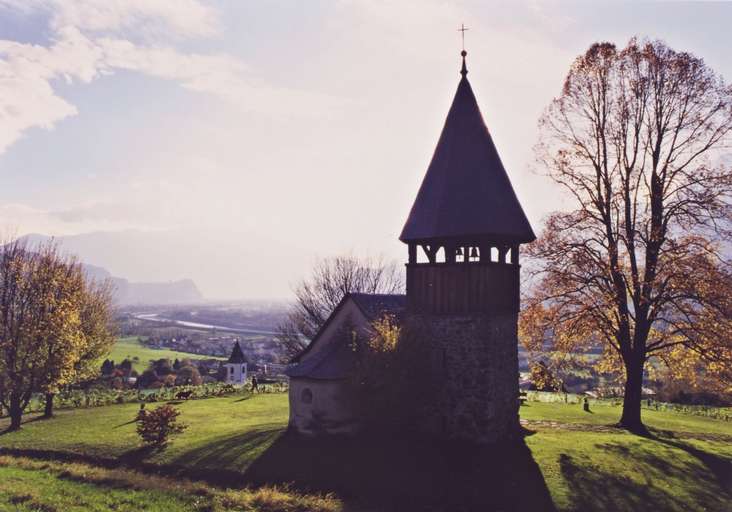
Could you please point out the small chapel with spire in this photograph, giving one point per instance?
(463, 235)
(236, 366)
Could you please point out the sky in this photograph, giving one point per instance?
(233, 142)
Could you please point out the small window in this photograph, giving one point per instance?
(306, 396)
(231, 370)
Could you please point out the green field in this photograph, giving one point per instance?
(140, 355)
(570, 459)
(28, 485)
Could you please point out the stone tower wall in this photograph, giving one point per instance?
(475, 365)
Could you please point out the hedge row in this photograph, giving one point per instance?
(99, 397)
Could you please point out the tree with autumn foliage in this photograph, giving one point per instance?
(637, 265)
(97, 333)
(53, 324)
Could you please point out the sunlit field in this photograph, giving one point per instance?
(140, 355)
(571, 460)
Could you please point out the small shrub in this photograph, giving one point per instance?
(157, 426)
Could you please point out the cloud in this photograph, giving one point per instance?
(183, 18)
(87, 43)
(221, 75)
(27, 98)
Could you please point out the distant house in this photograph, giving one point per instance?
(236, 366)
(318, 402)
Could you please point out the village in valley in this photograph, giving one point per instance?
(349, 264)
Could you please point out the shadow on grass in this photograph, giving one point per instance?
(720, 467)
(683, 483)
(126, 423)
(380, 473)
(406, 474)
(234, 452)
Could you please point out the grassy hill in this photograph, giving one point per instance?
(140, 355)
(569, 460)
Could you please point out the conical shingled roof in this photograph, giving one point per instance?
(237, 356)
(466, 193)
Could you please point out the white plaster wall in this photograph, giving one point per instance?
(328, 412)
(239, 374)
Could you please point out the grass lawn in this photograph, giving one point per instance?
(33, 486)
(25, 486)
(570, 459)
(130, 348)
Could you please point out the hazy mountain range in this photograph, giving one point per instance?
(182, 291)
(224, 265)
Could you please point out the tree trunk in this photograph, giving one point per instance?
(631, 418)
(16, 413)
(48, 411)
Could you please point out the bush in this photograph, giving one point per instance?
(147, 378)
(155, 427)
(188, 375)
(392, 384)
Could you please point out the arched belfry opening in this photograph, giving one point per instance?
(463, 236)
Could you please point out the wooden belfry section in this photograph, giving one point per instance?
(463, 234)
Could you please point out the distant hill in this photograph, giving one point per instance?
(225, 265)
(183, 291)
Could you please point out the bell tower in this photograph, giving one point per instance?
(463, 235)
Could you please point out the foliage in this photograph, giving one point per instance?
(188, 375)
(331, 280)
(543, 379)
(147, 378)
(392, 382)
(701, 388)
(157, 426)
(102, 396)
(633, 138)
(54, 324)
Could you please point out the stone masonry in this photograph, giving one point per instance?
(476, 366)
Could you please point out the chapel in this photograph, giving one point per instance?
(236, 366)
(462, 235)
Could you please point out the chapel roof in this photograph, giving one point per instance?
(332, 363)
(466, 192)
(336, 361)
(375, 306)
(237, 356)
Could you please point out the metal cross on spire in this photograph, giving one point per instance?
(462, 30)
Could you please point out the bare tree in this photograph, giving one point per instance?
(330, 281)
(637, 138)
